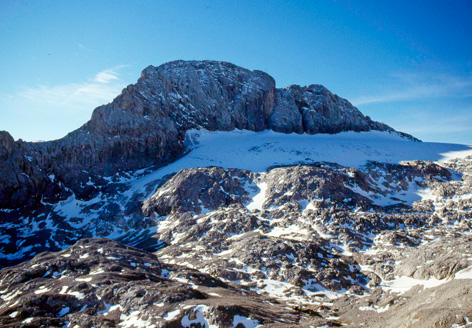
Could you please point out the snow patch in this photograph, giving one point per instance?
(171, 315)
(259, 198)
(63, 312)
(246, 322)
(404, 283)
(464, 273)
(200, 320)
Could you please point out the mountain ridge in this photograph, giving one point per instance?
(146, 125)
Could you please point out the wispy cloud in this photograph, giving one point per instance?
(100, 89)
(106, 76)
(406, 86)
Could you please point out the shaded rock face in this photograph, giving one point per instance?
(146, 125)
(314, 109)
(22, 181)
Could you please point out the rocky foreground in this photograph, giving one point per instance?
(101, 283)
(313, 245)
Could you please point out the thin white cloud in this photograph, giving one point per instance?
(415, 86)
(99, 90)
(106, 76)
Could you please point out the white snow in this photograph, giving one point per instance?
(98, 271)
(133, 320)
(72, 208)
(42, 290)
(282, 290)
(452, 154)
(375, 308)
(257, 151)
(367, 308)
(468, 323)
(215, 294)
(246, 322)
(77, 295)
(172, 315)
(404, 283)
(293, 232)
(199, 311)
(427, 194)
(84, 279)
(259, 198)
(224, 253)
(464, 274)
(412, 194)
(319, 229)
(109, 308)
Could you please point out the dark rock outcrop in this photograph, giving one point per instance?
(22, 180)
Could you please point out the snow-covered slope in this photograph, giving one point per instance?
(257, 151)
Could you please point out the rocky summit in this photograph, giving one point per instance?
(147, 123)
(204, 196)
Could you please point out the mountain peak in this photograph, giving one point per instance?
(146, 124)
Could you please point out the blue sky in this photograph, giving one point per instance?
(406, 63)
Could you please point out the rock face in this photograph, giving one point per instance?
(22, 181)
(208, 212)
(146, 125)
(314, 109)
(198, 190)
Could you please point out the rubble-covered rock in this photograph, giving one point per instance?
(99, 282)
